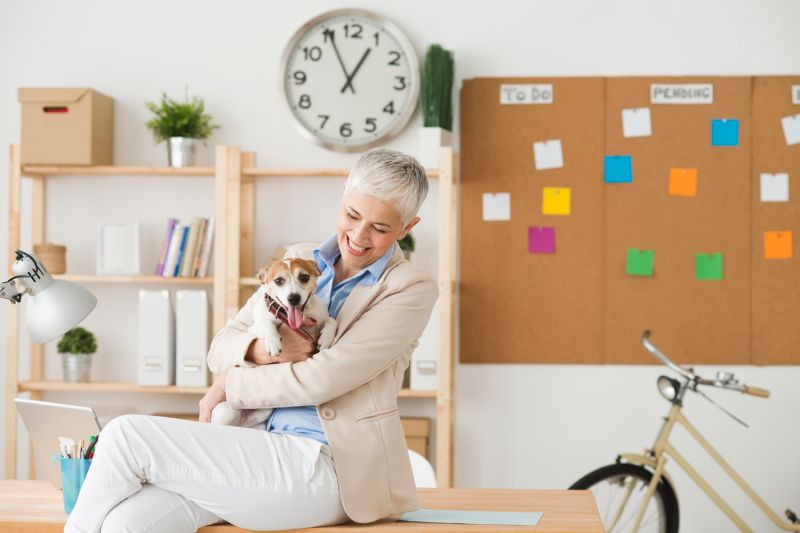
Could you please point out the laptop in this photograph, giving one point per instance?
(46, 421)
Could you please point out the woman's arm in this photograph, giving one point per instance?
(370, 345)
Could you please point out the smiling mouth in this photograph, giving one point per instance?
(357, 250)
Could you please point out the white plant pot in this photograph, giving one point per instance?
(181, 151)
(77, 367)
(431, 141)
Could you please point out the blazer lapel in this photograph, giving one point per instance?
(356, 301)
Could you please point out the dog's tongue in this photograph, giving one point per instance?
(295, 317)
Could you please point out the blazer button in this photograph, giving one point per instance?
(328, 413)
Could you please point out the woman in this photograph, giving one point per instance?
(333, 448)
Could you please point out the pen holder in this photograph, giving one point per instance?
(73, 472)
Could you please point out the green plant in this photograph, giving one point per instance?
(78, 340)
(437, 88)
(407, 243)
(180, 119)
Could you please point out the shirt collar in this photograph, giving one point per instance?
(326, 254)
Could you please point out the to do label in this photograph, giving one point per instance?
(541, 93)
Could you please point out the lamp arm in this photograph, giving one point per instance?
(8, 290)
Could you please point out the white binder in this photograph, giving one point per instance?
(191, 338)
(424, 375)
(156, 339)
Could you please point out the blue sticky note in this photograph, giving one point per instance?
(725, 132)
(448, 516)
(618, 169)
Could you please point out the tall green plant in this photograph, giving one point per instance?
(437, 88)
(179, 119)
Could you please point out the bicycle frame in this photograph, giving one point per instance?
(656, 459)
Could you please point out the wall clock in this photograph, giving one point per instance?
(350, 79)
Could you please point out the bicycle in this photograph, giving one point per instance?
(656, 509)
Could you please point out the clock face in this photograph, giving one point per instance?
(350, 79)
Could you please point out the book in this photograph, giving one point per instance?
(191, 248)
(207, 244)
(198, 256)
(181, 251)
(172, 251)
(165, 247)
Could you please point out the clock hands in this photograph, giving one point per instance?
(330, 33)
(352, 75)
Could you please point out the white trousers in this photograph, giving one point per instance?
(159, 474)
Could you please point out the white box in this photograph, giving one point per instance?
(424, 359)
(156, 364)
(191, 338)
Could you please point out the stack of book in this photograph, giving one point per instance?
(186, 251)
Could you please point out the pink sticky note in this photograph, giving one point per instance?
(541, 240)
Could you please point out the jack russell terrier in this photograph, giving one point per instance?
(287, 295)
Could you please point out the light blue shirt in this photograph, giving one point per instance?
(303, 421)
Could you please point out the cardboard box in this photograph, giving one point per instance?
(73, 126)
(417, 432)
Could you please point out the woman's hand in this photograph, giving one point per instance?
(294, 347)
(214, 397)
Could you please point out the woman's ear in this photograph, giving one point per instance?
(408, 227)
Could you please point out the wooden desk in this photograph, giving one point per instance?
(36, 507)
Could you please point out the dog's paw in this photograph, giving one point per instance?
(273, 344)
(225, 415)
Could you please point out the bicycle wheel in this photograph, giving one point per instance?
(619, 490)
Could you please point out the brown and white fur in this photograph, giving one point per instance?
(292, 283)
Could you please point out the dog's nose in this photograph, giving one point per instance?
(294, 299)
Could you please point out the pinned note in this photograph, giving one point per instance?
(775, 187)
(683, 181)
(639, 262)
(791, 129)
(496, 206)
(541, 240)
(708, 267)
(724, 132)
(636, 122)
(618, 169)
(777, 245)
(556, 201)
(547, 154)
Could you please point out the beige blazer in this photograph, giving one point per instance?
(354, 383)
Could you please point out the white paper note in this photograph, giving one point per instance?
(791, 129)
(496, 206)
(547, 154)
(775, 187)
(636, 122)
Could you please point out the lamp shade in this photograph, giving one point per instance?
(58, 308)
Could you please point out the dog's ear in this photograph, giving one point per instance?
(262, 275)
(311, 266)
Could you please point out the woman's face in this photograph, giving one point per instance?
(367, 228)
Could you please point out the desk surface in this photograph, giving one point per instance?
(35, 506)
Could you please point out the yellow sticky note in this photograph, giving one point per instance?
(556, 201)
(683, 181)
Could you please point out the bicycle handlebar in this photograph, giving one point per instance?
(726, 381)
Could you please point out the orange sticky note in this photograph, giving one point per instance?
(777, 244)
(683, 181)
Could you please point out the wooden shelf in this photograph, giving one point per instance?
(123, 386)
(249, 281)
(113, 170)
(92, 278)
(309, 172)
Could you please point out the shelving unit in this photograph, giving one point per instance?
(234, 176)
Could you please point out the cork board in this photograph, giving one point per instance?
(693, 321)
(517, 306)
(776, 291)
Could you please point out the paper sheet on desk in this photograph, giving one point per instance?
(449, 516)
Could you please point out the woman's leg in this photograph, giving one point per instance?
(155, 510)
(251, 478)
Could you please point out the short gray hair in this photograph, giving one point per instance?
(391, 176)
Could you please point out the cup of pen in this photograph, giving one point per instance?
(74, 469)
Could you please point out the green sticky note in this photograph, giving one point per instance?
(708, 266)
(639, 263)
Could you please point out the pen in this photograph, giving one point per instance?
(90, 450)
(80, 449)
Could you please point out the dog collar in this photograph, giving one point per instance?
(277, 309)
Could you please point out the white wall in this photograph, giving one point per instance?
(517, 426)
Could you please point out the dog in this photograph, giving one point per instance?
(288, 290)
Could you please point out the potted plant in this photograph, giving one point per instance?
(437, 104)
(76, 347)
(181, 124)
(407, 245)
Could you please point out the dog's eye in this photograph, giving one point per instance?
(278, 281)
(304, 278)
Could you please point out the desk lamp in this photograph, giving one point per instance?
(54, 305)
